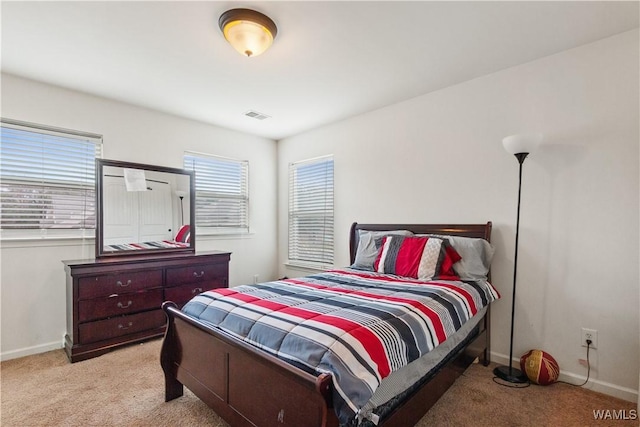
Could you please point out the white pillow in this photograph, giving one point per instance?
(476, 256)
(368, 245)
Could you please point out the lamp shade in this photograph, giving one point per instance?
(523, 143)
(247, 31)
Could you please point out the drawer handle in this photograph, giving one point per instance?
(121, 326)
(195, 274)
(120, 305)
(196, 291)
(122, 285)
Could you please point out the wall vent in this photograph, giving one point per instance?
(256, 115)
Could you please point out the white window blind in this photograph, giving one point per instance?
(311, 212)
(222, 193)
(47, 178)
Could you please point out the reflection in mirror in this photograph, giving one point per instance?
(143, 208)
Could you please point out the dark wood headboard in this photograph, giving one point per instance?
(482, 231)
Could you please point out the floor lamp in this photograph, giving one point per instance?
(181, 195)
(520, 146)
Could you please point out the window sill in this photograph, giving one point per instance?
(49, 241)
(302, 266)
(35, 235)
(224, 236)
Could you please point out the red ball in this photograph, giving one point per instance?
(540, 367)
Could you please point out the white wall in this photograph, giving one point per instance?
(439, 158)
(32, 284)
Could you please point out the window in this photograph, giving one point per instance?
(222, 193)
(311, 212)
(47, 180)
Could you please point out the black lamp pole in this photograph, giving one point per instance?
(509, 373)
(181, 211)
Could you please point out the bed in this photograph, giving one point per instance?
(156, 244)
(252, 382)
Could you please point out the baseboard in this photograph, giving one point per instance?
(603, 387)
(28, 351)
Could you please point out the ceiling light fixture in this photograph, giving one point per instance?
(248, 31)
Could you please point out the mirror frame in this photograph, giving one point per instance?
(100, 253)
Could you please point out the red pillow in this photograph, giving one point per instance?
(184, 234)
(451, 257)
(423, 258)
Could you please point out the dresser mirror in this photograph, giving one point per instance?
(143, 209)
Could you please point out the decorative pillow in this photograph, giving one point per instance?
(447, 269)
(422, 258)
(476, 256)
(368, 244)
(184, 234)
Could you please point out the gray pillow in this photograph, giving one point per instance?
(368, 245)
(476, 256)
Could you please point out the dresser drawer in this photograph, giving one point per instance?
(97, 286)
(120, 326)
(212, 274)
(182, 294)
(119, 304)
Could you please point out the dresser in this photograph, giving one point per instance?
(116, 301)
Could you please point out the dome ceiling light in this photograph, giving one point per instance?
(248, 31)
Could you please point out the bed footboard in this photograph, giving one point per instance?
(244, 385)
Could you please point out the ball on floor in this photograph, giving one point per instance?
(540, 367)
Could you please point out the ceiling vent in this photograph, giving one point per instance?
(256, 115)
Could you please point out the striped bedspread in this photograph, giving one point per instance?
(158, 244)
(358, 326)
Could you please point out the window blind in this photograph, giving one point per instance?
(47, 177)
(311, 212)
(222, 193)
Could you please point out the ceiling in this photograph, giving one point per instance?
(330, 60)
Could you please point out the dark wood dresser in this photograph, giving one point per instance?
(116, 301)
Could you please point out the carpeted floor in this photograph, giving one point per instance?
(126, 388)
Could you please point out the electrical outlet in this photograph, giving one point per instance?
(589, 334)
(255, 279)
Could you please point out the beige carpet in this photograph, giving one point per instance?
(125, 388)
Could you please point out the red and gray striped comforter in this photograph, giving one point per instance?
(356, 325)
(158, 244)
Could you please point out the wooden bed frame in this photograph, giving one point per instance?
(249, 387)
